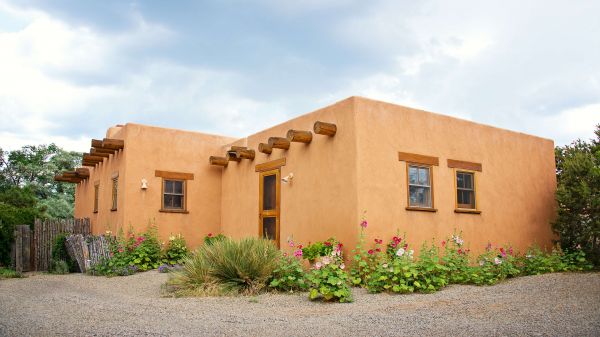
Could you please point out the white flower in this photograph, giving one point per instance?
(481, 263)
(410, 252)
(335, 252)
(400, 252)
(528, 256)
(326, 260)
(497, 260)
(318, 265)
(457, 240)
(342, 266)
(385, 265)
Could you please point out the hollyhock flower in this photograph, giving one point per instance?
(318, 265)
(481, 263)
(385, 265)
(340, 245)
(210, 235)
(285, 254)
(578, 246)
(460, 251)
(406, 246)
(510, 251)
(457, 240)
(400, 252)
(497, 261)
(443, 243)
(291, 243)
(298, 253)
(326, 260)
(502, 252)
(120, 250)
(363, 224)
(342, 266)
(489, 246)
(377, 250)
(327, 243)
(394, 244)
(300, 246)
(336, 252)
(370, 252)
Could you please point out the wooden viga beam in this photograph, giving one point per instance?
(244, 153)
(102, 150)
(116, 144)
(90, 158)
(327, 129)
(265, 148)
(95, 152)
(232, 156)
(279, 143)
(299, 136)
(82, 171)
(76, 174)
(63, 179)
(219, 161)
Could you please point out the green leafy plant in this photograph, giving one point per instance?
(456, 260)
(9, 273)
(495, 265)
(289, 276)
(176, 251)
(320, 248)
(226, 267)
(210, 238)
(58, 267)
(362, 263)
(328, 280)
(61, 262)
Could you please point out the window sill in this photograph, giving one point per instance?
(468, 211)
(421, 209)
(182, 211)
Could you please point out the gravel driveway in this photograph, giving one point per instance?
(55, 305)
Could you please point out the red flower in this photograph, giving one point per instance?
(396, 239)
(209, 235)
(394, 244)
(405, 246)
(299, 246)
(340, 245)
(327, 243)
(460, 251)
(370, 251)
(377, 250)
(443, 243)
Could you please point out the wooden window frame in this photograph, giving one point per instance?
(276, 213)
(418, 208)
(183, 203)
(475, 193)
(96, 197)
(114, 193)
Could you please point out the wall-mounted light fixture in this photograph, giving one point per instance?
(144, 184)
(288, 178)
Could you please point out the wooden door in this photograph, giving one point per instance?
(268, 205)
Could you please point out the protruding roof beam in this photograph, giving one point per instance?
(327, 129)
(299, 136)
(265, 148)
(279, 143)
(219, 161)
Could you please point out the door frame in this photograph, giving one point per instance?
(276, 213)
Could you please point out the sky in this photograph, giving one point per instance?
(71, 69)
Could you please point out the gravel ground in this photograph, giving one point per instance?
(80, 305)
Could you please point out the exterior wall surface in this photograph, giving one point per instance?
(515, 190)
(320, 202)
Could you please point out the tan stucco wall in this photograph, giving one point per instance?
(148, 149)
(321, 200)
(515, 190)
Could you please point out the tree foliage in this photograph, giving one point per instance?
(578, 196)
(28, 189)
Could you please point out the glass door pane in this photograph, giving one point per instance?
(269, 192)
(269, 228)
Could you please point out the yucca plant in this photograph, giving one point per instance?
(226, 267)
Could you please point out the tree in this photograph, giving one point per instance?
(578, 196)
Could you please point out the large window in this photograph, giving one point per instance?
(465, 190)
(419, 186)
(115, 189)
(173, 195)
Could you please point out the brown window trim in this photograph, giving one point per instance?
(418, 159)
(173, 175)
(270, 165)
(96, 197)
(167, 210)
(465, 165)
(475, 193)
(114, 197)
(422, 209)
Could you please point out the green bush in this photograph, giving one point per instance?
(495, 265)
(58, 267)
(59, 255)
(176, 251)
(209, 239)
(226, 267)
(9, 273)
(328, 280)
(318, 249)
(289, 276)
(536, 261)
(456, 260)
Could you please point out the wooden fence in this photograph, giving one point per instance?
(87, 250)
(33, 249)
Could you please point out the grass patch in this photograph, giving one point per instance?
(9, 273)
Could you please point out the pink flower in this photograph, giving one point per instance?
(298, 253)
(120, 250)
(342, 266)
(578, 246)
(318, 265)
(502, 252)
(443, 243)
(339, 246)
(370, 252)
(405, 246)
(510, 251)
(363, 224)
(285, 254)
(291, 243)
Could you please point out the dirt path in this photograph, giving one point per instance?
(79, 305)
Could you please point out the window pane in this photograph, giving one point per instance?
(424, 176)
(269, 192)
(168, 186)
(412, 175)
(177, 201)
(178, 187)
(460, 181)
(168, 200)
(269, 228)
(466, 199)
(420, 196)
(468, 180)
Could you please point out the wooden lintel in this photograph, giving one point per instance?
(110, 143)
(299, 136)
(465, 165)
(323, 128)
(219, 161)
(270, 165)
(265, 148)
(279, 143)
(174, 175)
(418, 158)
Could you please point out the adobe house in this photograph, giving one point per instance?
(312, 177)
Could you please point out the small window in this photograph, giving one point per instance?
(174, 195)
(419, 186)
(465, 190)
(115, 189)
(96, 194)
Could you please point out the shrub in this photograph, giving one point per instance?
(537, 262)
(328, 280)
(495, 265)
(176, 251)
(209, 239)
(226, 267)
(456, 260)
(58, 267)
(318, 249)
(9, 273)
(362, 262)
(289, 275)
(61, 262)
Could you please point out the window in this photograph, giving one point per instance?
(419, 186)
(115, 188)
(173, 195)
(465, 190)
(96, 194)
